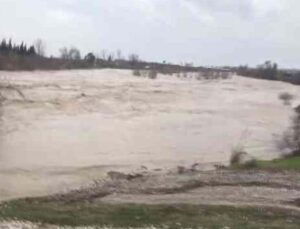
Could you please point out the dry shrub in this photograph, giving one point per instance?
(184, 74)
(199, 76)
(286, 98)
(136, 72)
(207, 75)
(225, 75)
(152, 74)
(240, 158)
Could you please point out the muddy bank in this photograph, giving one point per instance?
(221, 187)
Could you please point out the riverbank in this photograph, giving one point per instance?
(226, 198)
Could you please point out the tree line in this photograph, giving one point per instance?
(10, 48)
(21, 56)
(29, 57)
(269, 70)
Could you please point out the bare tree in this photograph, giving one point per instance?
(119, 54)
(40, 47)
(64, 53)
(74, 54)
(103, 54)
(71, 54)
(110, 57)
(133, 59)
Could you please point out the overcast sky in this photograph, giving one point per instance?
(206, 32)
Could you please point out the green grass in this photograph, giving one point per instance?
(171, 216)
(291, 163)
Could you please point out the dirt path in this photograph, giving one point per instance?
(222, 195)
(221, 187)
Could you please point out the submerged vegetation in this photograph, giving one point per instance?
(270, 71)
(288, 145)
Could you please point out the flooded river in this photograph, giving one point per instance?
(62, 129)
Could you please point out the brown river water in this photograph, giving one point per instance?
(63, 129)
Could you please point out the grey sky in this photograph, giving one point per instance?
(206, 32)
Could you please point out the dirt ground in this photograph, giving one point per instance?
(279, 189)
(242, 188)
(61, 130)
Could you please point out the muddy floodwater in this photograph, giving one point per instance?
(63, 129)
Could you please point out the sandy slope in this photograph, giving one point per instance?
(62, 129)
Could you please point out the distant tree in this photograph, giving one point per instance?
(90, 58)
(119, 54)
(268, 70)
(103, 54)
(189, 64)
(110, 57)
(64, 53)
(31, 51)
(40, 47)
(133, 59)
(3, 43)
(70, 54)
(74, 54)
(15, 48)
(3, 47)
(23, 49)
(10, 46)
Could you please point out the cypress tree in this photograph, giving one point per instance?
(10, 45)
(3, 47)
(31, 51)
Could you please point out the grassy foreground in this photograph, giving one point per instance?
(83, 213)
(174, 216)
